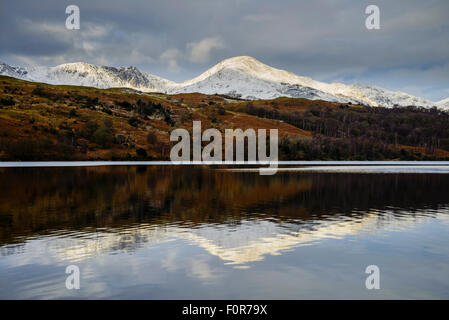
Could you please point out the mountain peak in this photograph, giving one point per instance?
(240, 60)
(132, 68)
(244, 63)
(249, 66)
(76, 64)
(246, 67)
(77, 67)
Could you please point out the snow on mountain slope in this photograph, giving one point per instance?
(387, 98)
(284, 83)
(237, 83)
(443, 103)
(85, 74)
(15, 72)
(243, 77)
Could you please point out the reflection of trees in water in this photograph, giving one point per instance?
(39, 200)
(350, 192)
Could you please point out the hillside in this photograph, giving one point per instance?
(240, 77)
(48, 122)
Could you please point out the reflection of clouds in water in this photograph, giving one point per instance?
(187, 234)
(249, 241)
(169, 262)
(199, 268)
(71, 247)
(253, 250)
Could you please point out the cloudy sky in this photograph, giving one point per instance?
(323, 39)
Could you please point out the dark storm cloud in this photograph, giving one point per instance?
(324, 39)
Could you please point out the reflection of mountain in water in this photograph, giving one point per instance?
(250, 241)
(237, 217)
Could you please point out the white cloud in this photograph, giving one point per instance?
(200, 51)
(200, 269)
(171, 57)
(195, 52)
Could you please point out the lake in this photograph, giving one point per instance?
(184, 232)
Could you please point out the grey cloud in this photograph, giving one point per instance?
(324, 39)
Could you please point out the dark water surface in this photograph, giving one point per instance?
(188, 233)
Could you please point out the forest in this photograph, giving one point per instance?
(348, 132)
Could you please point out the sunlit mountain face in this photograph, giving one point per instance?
(204, 227)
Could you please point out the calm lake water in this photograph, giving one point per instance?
(164, 232)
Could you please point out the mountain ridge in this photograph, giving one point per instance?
(443, 103)
(242, 76)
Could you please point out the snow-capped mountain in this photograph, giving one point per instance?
(85, 74)
(386, 98)
(16, 72)
(239, 84)
(243, 77)
(249, 78)
(443, 103)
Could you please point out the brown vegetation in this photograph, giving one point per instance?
(46, 122)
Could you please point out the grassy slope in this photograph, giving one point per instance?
(49, 126)
(34, 117)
